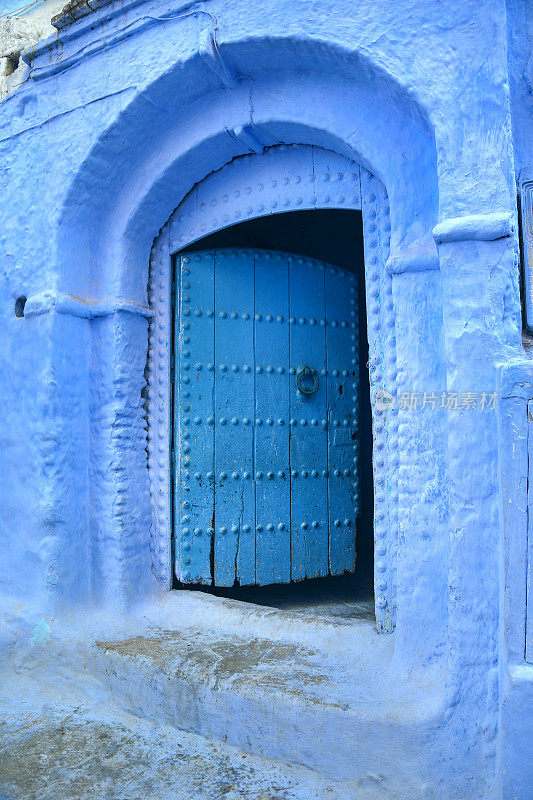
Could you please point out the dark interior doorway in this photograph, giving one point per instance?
(335, 236)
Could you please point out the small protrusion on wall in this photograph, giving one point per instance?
(208, 50)
(474, 227)
(89, 308)
(418, 256)
(248, 136)
(20, 304)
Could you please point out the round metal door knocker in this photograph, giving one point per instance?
(306, 373)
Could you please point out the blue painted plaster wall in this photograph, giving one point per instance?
(117, 121)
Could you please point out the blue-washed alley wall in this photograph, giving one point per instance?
(115, 118)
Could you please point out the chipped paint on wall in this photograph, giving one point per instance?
(22, 25)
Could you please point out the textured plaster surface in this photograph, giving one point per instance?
(520, 60)
(63, 738)
(121, 115)
(290, 691)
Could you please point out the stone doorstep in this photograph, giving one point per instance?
(329, 633)
(65, 745)
(246, 680)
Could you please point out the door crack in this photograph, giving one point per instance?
(241, 517)
(212, 548)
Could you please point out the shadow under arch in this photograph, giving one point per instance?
(187, 124)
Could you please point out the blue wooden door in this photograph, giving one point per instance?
(265, 422)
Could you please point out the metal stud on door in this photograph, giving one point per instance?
(265, 418)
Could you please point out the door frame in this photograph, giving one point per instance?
(280, 179)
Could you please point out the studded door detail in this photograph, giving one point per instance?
(265, 418)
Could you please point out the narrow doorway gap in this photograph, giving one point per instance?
(174, 305)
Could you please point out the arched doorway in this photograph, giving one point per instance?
(282, 179)
(323, 98)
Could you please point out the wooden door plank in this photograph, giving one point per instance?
(342, 390)
(194, 398)
(308, 432)
(234, 410)
(271, 326)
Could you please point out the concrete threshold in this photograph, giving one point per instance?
(315, 692)
(60, 739)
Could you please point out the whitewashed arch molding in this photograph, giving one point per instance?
(282, 178)
(188, 123)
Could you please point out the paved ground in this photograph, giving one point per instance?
(75, 757)
(241, 667)
(56, 744)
